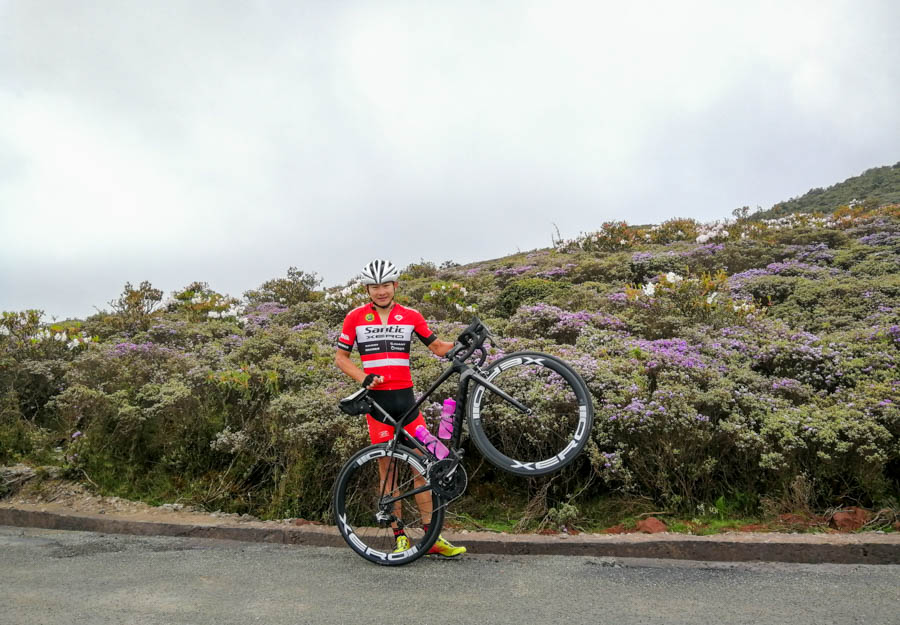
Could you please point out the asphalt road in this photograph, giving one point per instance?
(49, 577)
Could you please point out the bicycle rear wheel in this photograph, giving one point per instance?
(551, 436)
(366, 521)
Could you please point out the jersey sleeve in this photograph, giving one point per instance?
(422, 330)
(347, 338)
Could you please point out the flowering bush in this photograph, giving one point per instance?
(737, 365)
(297, 287)
(197, 301)
(673, 230)
(612, 236)
(448, 300)
(341, 300)
(555, 323)
(662, 307)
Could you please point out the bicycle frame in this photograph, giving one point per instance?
(467, 374)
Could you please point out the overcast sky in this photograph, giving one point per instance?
(226, 141)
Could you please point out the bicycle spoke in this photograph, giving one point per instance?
(376, 495)
(547, 438)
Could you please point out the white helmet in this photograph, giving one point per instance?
(379, 272)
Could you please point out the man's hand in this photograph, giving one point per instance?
(440, 348)
(372, 380)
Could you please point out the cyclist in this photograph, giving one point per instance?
(382, 331)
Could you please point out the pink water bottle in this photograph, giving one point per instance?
(445, 428)
(431, 443)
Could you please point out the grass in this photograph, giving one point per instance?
(622, 515)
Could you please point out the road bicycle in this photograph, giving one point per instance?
(528, 413)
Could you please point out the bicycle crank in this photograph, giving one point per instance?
(448, 478)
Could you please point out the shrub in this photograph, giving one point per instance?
(198, 302)
(297, 287)
(673, 230)
(448, 300)
(525, 291)
(612, 269)
(612, 236)
(700, 397)
(422, 269)
(662, 308)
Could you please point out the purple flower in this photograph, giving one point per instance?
(880, 238)
(513, 271)
(673, 352)
(785, 383)
(76, 434)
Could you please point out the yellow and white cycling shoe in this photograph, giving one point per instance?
(402, 544)
(445, 549)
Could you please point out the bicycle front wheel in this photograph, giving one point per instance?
(365, 515)
(555, 431)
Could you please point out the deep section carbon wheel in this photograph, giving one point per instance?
(365, 515)
(551, 434)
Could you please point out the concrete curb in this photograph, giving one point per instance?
(737, 547)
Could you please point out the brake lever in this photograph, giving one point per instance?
(483, 356)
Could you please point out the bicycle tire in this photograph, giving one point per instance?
(540, 443)
(356, 502)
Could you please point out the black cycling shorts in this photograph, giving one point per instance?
(395, 403)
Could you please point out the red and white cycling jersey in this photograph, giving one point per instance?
(384, 348)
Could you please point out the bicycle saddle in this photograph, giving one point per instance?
(357, 403)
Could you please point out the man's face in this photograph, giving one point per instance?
(381, 294)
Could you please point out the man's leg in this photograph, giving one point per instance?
(388, 485)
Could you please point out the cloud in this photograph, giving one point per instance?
(225, 143)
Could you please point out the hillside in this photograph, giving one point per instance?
(874, 187)
(747, 369)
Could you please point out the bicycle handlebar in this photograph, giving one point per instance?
(469, 341)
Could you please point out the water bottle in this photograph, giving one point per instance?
(431, 443)
(445, 429)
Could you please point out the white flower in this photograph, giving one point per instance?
(622, 241)
(432, 292)
(712, 298)
(724, 233)
(703, 238)
(649, 289)
(458, 307)
(4, 330)
(213, 314)
(73, 343)
(462, 290)
(60, 336)
(673, 277)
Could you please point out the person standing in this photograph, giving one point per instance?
(382, 332)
